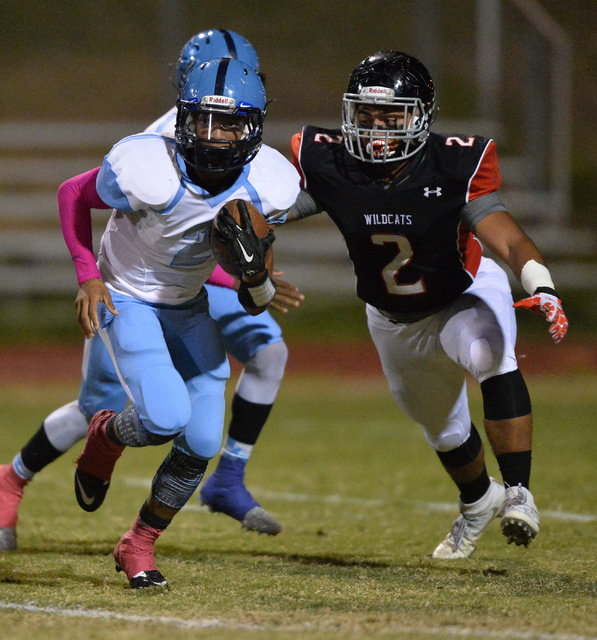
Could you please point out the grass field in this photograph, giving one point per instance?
(363, 502)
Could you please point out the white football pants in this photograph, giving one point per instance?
(425, 361)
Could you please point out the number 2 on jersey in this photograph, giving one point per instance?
(197, 250)
(402, 258)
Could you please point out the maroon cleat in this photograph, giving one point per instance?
(134, 555)
(96, 463)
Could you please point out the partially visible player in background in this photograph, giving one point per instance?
(255, 341)
(410, 204)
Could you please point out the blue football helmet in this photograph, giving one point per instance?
(220, 95)
(212, 44)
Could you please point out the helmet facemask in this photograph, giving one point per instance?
(216, 135)
(403, 135)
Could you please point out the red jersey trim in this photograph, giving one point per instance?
(470, 250)
(296, 143)
(486, 177)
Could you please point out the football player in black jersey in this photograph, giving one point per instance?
(412, 206)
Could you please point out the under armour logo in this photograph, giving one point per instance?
(427, 192)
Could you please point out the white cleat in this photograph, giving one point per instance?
(474, 518)
(520, 518)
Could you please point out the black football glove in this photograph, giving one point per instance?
(248, 250)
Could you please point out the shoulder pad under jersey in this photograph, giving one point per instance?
(165, 124)
(140, 172)
(276, 179)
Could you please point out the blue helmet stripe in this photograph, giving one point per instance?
(221, 77)
(229, 43)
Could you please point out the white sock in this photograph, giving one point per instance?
(235, 449)
(20, 469)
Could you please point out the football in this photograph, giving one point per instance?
(220, 247)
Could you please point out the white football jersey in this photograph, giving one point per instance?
(165, 124)
(156, 244)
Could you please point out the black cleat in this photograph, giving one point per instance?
(146, 579)
(96, 463)
(90, 491)
(134, 556)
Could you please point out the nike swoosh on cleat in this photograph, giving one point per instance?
(84, 497)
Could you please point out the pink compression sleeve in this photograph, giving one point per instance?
(220, 278)
(76, 197)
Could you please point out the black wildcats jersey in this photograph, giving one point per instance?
(412, 253)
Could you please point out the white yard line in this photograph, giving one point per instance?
(286, 496)
(307, 627)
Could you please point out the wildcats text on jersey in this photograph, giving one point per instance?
(388, 218)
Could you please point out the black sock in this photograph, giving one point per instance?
(463, 455)
(151, 520)
(39, 451)
(472, 491)
(515, 468)
(248, 419)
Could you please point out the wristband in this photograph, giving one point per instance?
(219, 278)
(535, 275)
(258, 295)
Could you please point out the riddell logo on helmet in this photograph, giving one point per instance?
(218, 101)
(377, 92)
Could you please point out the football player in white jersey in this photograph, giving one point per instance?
(153, 262)
(255, 341)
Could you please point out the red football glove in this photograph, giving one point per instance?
(549, 305)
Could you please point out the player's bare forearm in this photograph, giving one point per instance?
(502, 235)
(509, 242)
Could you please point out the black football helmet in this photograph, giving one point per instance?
(395, 82)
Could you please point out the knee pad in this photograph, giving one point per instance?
(465, 453)
(131, 431)
(203, 432)
(270, 361)
(449, 438)
(177, 478)
(446, 432)
(66, 426)
(474, 338)
(505, 396)
(165, 400)
(263, 373)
